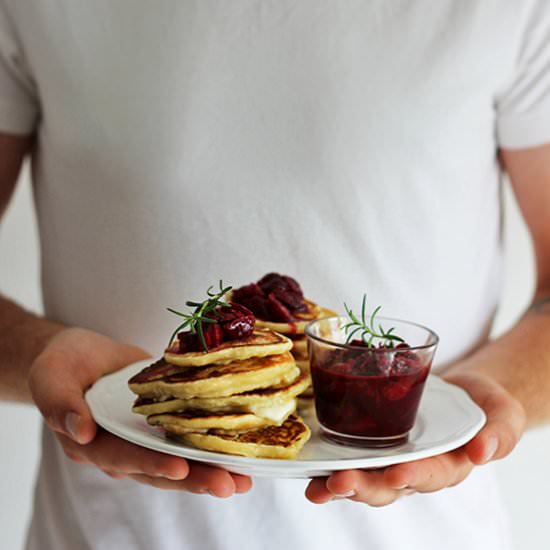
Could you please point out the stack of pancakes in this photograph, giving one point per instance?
(238, 398)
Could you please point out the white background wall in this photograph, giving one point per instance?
(525, 475)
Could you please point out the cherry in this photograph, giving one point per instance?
(213, 335)
(232, 322)
(342, 368)
(236, 321)
(290, 299)
(247, 292)
(187, 341)
(274, 297)
(396, 390)
(270, 282)
(364, 364)
(292, 285)
(278, 312)
(357, 342)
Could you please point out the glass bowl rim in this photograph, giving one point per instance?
(433, 334)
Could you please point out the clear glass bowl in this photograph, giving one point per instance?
(365, 396)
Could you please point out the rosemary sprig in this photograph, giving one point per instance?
(368, 332)
(194, 321)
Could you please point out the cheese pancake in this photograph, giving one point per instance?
(201, 421)
(261, 402)
(261, 343)
(216, 380)
(283, 441)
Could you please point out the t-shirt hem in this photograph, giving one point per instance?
(524, 131)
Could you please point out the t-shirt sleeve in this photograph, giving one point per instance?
(523, 108)
(19, 107)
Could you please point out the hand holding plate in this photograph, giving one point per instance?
(71, 363)
(504, 427)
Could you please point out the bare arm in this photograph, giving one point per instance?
(52, 366)
(520, 359)
(22, 334)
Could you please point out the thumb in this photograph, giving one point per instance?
(505, 418)
(66, 369)
(58, 392)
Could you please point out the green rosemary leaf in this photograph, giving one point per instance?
(368, 332)
(210, 307)
(352, 334)
(183, 325)
(373, 316)
(199, 316)
(206, 320)
(178, 312)
(201, 336)
(394, 338)
(353, 317)
(189, 303)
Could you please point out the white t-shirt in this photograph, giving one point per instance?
(351, 144)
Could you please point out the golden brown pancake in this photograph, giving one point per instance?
(283, 441)
(215, 380)
(262, 343)
(255, 401)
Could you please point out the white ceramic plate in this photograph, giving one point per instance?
(447, 419)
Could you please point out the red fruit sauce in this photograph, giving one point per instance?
(368, 392)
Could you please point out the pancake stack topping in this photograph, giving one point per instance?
(224, 384)
(278, 303)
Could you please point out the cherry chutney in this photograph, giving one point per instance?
(367, 395)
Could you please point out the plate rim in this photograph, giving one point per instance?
(271, 467)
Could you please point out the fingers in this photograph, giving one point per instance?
(202, 479)
(382, 487)
(367, 487)
(112, 454)
(243, 484)
(506, 418)
(430, 474)
(118, 459)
